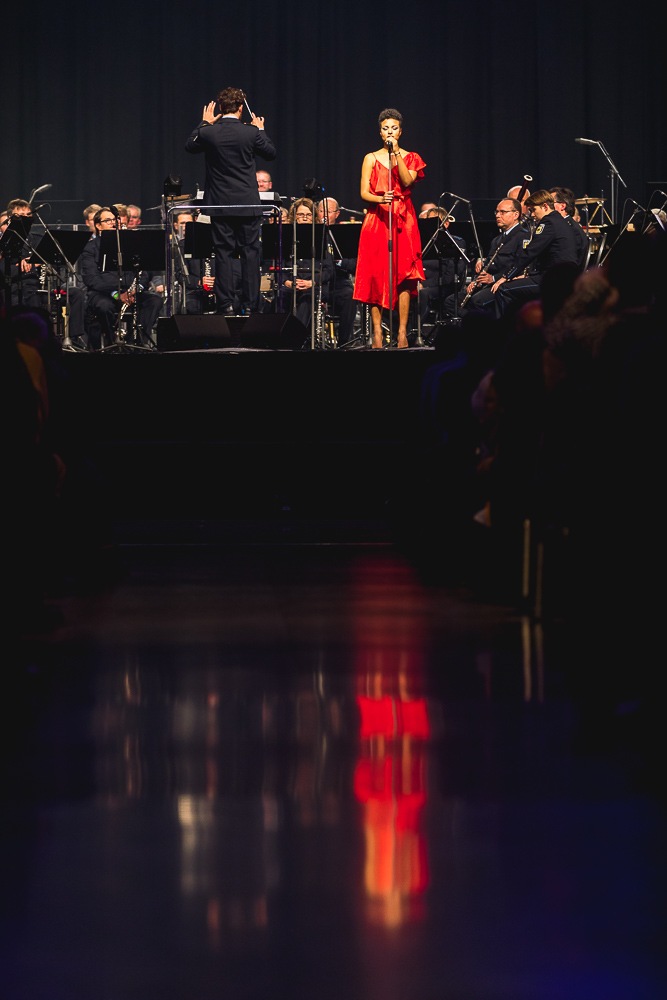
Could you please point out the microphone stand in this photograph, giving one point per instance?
(119, 254)
(313, 314)
(614, 177)
(390, 249)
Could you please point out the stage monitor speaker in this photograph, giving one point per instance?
(274, 332)
(261, 331)
(193, 333)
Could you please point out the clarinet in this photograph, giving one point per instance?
(472, 287)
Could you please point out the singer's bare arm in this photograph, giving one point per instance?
(364, 187)
(407, 177)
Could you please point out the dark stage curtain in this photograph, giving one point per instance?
(98, 99)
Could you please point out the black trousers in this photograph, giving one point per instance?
(236, 234)
(513, 294)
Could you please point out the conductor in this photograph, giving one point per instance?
(230, 148)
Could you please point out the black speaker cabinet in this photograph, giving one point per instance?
(193, 333)
(263, 331)
(274, 332)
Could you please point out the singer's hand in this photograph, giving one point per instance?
(387, 197)
(208, 114)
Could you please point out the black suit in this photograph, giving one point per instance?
(230, 148)
(553, 242)
(502, 253)
(102, 306)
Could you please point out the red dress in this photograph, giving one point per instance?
(371, 283)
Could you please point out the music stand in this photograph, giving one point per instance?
(139, 251)
(60, 248)
(14, 240)
(57, 249)
(286, 244)
(13, 246)
(198, 240)
(439, 244)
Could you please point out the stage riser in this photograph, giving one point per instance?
(214, 432)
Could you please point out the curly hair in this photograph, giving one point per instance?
(390, 113)
(229, 100)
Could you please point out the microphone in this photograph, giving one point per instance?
(588, 142)
(390, 145)
(38, 208)
(44, 187)
(457, 196)
(637, 205)
(352, 211)
(114, 211)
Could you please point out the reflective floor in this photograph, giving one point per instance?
(263, 765)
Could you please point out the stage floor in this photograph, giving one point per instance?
(203, 433)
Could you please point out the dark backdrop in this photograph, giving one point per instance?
(98, 99)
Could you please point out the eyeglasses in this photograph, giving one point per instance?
(504, 211)
(110, 219)
(303, 215)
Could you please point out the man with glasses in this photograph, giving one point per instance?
(108, 291)
(300, 284)
(512, 234)
(553, 242)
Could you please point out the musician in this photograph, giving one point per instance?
(133, 216)
(264, 180)
(196, 275)
(553, 242)
(105, 298)
(89, 215)
(26, 288)
(443, 270)
(21, 276)
(512, 233)
(564, 203)
(341, 302)
(230, 148)
(300, 286)
(521, 193)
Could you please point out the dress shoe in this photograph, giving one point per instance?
(226, 311)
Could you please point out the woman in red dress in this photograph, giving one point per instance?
(387, 177)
